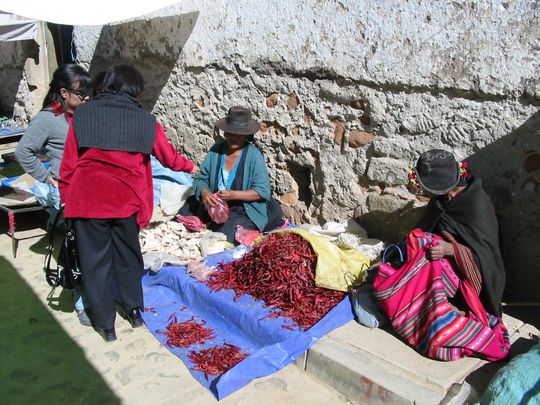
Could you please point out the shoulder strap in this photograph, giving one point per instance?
(51, 275)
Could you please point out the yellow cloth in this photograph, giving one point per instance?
(337, 269)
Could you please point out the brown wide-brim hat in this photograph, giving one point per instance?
(238, 121)
(437, 171)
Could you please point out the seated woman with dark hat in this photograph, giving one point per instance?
(445, 299)
(235, 171)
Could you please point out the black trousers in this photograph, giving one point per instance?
(112, 266)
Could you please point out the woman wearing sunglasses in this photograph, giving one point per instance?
(46, 135)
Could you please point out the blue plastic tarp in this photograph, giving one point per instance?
(162, 175)
(242, 323)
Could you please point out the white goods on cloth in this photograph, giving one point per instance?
(177, 245)
(170, 242)
(348, 235)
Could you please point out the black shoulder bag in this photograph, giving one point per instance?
(67, 273)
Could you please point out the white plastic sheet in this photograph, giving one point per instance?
(97, 12)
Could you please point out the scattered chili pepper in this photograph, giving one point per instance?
(280, 270)
(183, 308)
(185, 334)
(150, 309)
(216, 360)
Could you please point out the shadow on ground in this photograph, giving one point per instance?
(40, 363)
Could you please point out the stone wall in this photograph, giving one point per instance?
(23, 77)
(349, 93)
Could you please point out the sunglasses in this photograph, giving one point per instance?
(81, 94)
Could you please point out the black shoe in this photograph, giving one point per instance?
(134, 318)
(108, 335)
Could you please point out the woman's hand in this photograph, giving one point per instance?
(195, 171)
(440, 250)
(227, 195)
(208, 198)
(53, 182)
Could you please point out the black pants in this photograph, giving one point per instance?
(112, 265)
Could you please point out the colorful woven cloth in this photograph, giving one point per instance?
(415, 298)
(191, 222)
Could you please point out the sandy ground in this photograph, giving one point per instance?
(47, 357)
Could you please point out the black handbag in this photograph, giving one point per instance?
(67, 273)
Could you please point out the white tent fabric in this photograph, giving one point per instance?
(76, 12)
(15, 28)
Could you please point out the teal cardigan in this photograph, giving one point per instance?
(255, 178)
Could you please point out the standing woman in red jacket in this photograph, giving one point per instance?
(106, 186)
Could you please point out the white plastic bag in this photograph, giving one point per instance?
(173, 197)
(213, 242)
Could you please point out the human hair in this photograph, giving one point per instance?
(67, 77)
(98, 82)
(123, 79)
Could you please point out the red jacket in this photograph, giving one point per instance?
(113, 184)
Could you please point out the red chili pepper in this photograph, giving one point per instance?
(185, 334)
(216, 360)
(280, 270)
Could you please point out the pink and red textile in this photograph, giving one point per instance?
(415, 298)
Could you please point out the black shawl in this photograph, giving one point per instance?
(470, 216)
(115, 122)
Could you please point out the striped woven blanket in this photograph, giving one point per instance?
(415, 298)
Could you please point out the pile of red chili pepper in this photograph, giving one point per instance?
(217, 359)
(280, 270)
(185, 334)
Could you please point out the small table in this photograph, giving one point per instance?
(11, 210)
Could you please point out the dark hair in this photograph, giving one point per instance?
(123, 79)
(98, 82)
(66, 77)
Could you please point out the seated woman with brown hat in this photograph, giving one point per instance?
(445, 299)
(235, 171)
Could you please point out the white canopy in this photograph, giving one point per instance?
(76, 12)
(15, 28)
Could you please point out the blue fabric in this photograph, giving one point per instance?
(46, 194)
(255, 178)
(5, 131)
(162, 175)
(269, 345)
(79, 301)
(230, 175)
(516, 383)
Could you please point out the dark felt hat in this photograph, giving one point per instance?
(437, 171)
(238, 121)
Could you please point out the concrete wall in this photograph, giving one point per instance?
(349, 93)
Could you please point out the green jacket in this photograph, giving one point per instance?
(255, 178)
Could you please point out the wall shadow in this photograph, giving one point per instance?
(510, 170)
(153, 46)
(13, 57)
(40, 362)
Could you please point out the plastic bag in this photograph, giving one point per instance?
(173, 197)
(213, 242)
(219, 213)
(246, 236)
(337, 269)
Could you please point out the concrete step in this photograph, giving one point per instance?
(373, 366)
